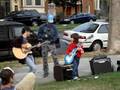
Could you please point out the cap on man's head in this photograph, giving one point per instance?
(75, 36)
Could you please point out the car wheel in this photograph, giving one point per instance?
(96, 46)
(34, 23)
(72, 22)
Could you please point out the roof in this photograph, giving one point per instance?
(9, 23)
(101, 22)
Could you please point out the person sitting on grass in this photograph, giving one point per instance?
(6, 76)
(74, 44)
(7, 80)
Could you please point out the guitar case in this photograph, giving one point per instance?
(100, 64)
(62, 72)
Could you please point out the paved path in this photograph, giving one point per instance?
(84, 69)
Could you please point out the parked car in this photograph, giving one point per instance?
(27, 17)
(93, 35)
(78, 18)
(9, 31)
(43, 17)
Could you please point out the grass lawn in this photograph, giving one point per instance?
(60, 27)
(109, 81)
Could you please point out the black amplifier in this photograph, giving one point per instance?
(63, 72)
(100, 64)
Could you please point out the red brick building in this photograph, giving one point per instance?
(88, 6)
(85, 6)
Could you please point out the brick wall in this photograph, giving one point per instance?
(88, 6)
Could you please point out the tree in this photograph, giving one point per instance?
(74, 4)
(104, 5)
(64, 3)
(60, 3)
(114, 32)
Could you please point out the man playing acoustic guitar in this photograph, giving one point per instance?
(24, 52)
(79, 51)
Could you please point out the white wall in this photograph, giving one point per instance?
(39, 8)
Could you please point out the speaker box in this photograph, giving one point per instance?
(63, 72)
(118, 63)
(101, 65)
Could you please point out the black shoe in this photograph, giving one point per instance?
(45, 75)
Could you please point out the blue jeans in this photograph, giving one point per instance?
(75, 67)
(30, 61)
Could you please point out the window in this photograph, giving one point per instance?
(15, 1)
(86, 27)
(27, 13)
(37, 2)
(16, 8)
(17, 31)
(4, 34)
(34, 13)
(103, 29)
(28, 2)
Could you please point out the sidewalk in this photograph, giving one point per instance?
(84, 69)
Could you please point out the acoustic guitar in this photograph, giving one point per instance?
(21, 53)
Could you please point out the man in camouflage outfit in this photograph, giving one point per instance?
(48, 32)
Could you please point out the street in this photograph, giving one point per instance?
(84, 69)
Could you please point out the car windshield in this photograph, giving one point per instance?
(86, 27)
(34, 13)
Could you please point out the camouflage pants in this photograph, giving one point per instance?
(45, 49)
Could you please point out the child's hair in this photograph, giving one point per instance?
(6, 75)
(76, 37)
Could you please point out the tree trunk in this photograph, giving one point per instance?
(63, 7)
(114, 32)
(76, 9)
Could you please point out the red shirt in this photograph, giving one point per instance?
(72, 46)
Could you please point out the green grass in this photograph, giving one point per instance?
(109, 81)
(60, 27)
(12, 64)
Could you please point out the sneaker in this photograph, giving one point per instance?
(49, 54)
(75, 78)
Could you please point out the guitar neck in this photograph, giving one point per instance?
(40, 44)
(33, 46)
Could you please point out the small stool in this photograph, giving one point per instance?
(63, 72)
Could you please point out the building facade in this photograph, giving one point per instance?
(85, 6)
(38, 5)
(4, 7)
(88, 6)
(7, 6)
(82, 6)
